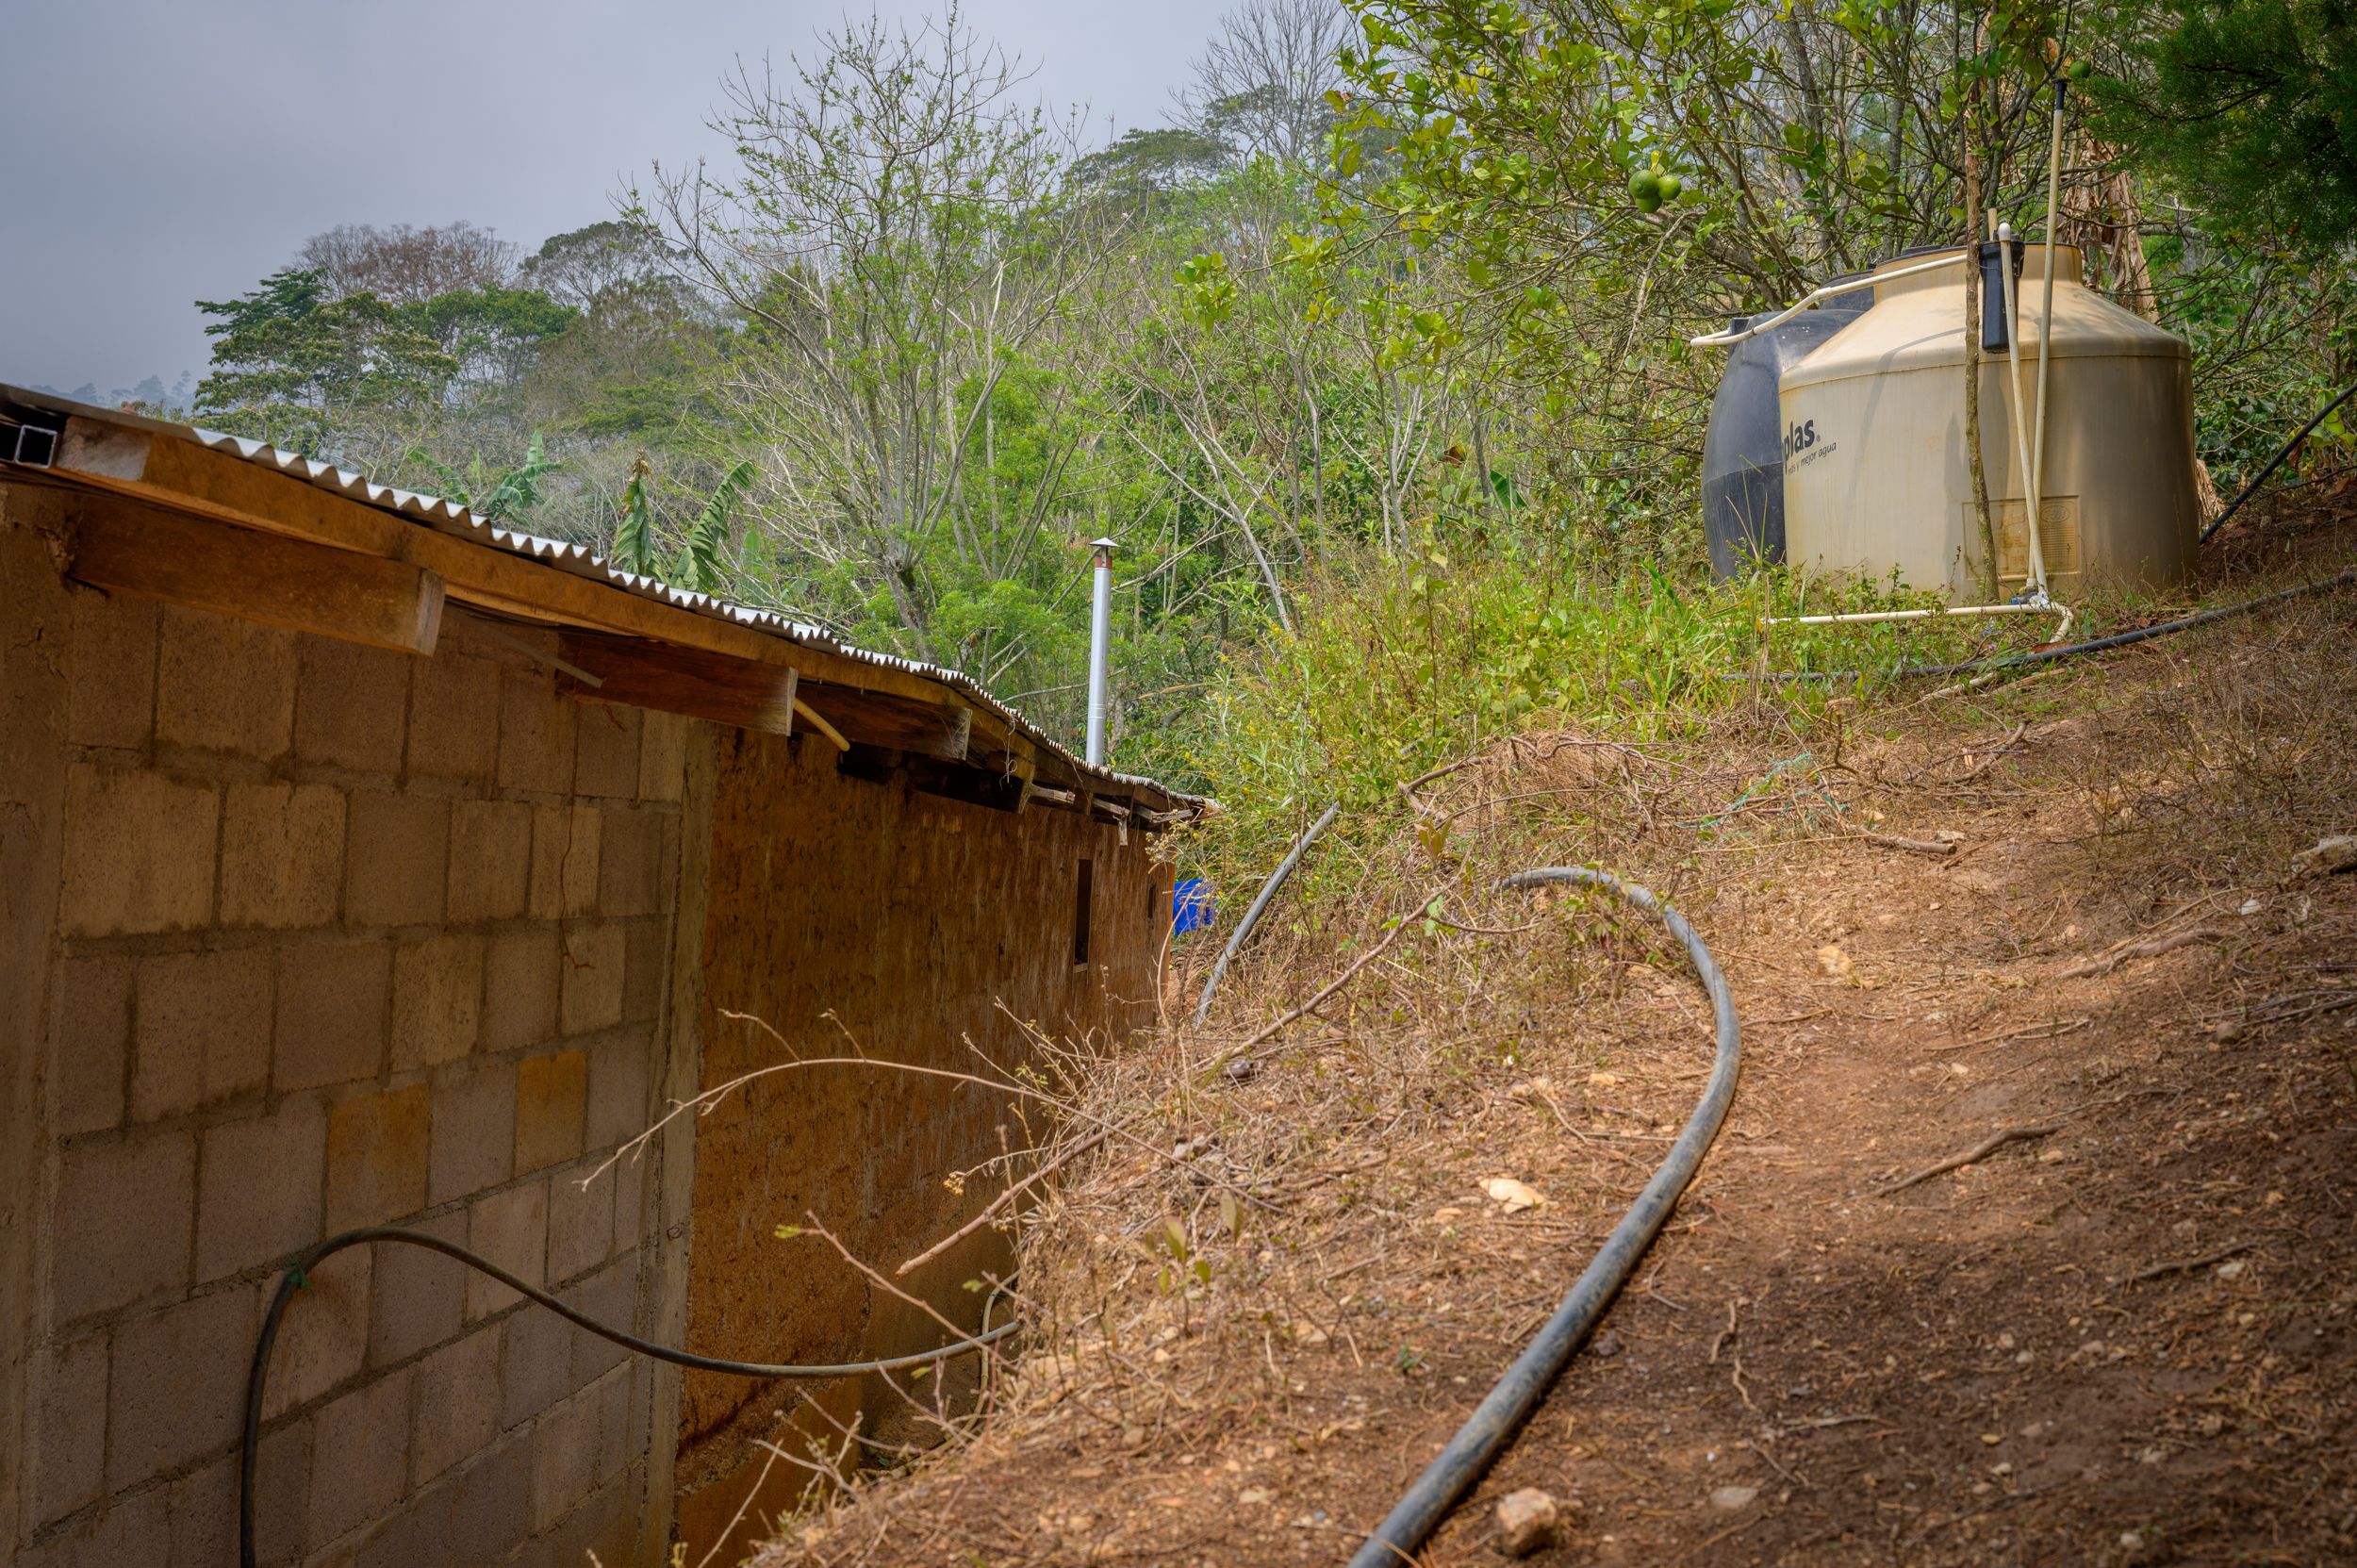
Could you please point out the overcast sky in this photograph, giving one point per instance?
(167, 151)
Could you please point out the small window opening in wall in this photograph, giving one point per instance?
(1081, 915)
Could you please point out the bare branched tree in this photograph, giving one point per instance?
(402, 265)
(900, 239)
(1260, 87)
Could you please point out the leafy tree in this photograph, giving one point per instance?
(2250, 108)
(292, 363)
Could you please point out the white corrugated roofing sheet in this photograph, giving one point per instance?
(451, 518)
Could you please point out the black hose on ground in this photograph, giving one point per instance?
(1260, 904)
(2047, 656)
(1502, 1412)
(2273, 462)
(299, 1273)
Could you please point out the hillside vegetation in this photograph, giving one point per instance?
(1372, 357)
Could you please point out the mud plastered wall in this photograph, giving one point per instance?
(860, 915)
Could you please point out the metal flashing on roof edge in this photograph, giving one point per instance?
(29, 411)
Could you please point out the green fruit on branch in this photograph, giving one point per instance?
(1670, 186)
(1645, 186)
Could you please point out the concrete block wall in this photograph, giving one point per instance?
(339, 938)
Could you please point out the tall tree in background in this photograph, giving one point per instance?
(900, 242)
(1260, 85)
(297, 365)
(402, 265)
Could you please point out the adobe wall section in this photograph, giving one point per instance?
(860, 915)
(301, 935)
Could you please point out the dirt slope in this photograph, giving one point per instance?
(2123, 1336)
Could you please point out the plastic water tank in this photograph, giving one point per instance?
(1743, 449)
(1879, 479)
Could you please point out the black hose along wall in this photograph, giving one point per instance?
(1443, 1484)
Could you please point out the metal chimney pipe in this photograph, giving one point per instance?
(1100, 646)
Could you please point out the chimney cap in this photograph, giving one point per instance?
(1104, 544)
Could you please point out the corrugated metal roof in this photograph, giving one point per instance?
(448, 517)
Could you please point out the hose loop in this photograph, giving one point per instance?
(1502, 1412)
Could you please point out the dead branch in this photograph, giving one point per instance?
(1937, 848)
(1981, 1150)
(2183, 1264)
(1001, 1201)
(2151, 949)
(1337, 983)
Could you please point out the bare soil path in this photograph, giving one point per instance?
(2123, 1331)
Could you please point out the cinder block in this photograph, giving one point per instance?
(648, 961)
(129, 1208)
(202, 1030)
(416, 1536)
(629, 1176)
(457, 1405)
(224, 684)
(490, 859)
(662, 756)
(630, 862)
(360, 1461)
(455, 718)
(281, 855)
(520, 989)
(594, 973)
(619, 1104)
(259, 1188)
(564, 861)
(609, 1297)
(134, 1530)
(204, 1504)
(492, 1510)
(620, 1396)
(179, 1384)
(418, 1294)
(325, 1336)
(474, 1131)
(564, 1458)
(69, 1428)
(110, 682)
(395, 859)
(536, 735)
(351, 705)
(90, 1042)
(437, 1001)
(511, 1228)
(607, 752)
(376, 1156)
(332, 1013)
(580, 1222)
(538, 1358)
(139, 852)
(550, 1098)
(605, 1526)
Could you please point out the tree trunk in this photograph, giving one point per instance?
(1972, 346)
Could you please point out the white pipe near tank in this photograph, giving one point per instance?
(2036, 585)
(1721, 339)
(1100, 647)
(2046, 314)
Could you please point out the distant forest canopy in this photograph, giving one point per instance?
(1398, 286)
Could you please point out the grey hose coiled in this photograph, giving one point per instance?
(1260, 904)
(1502, 1412)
